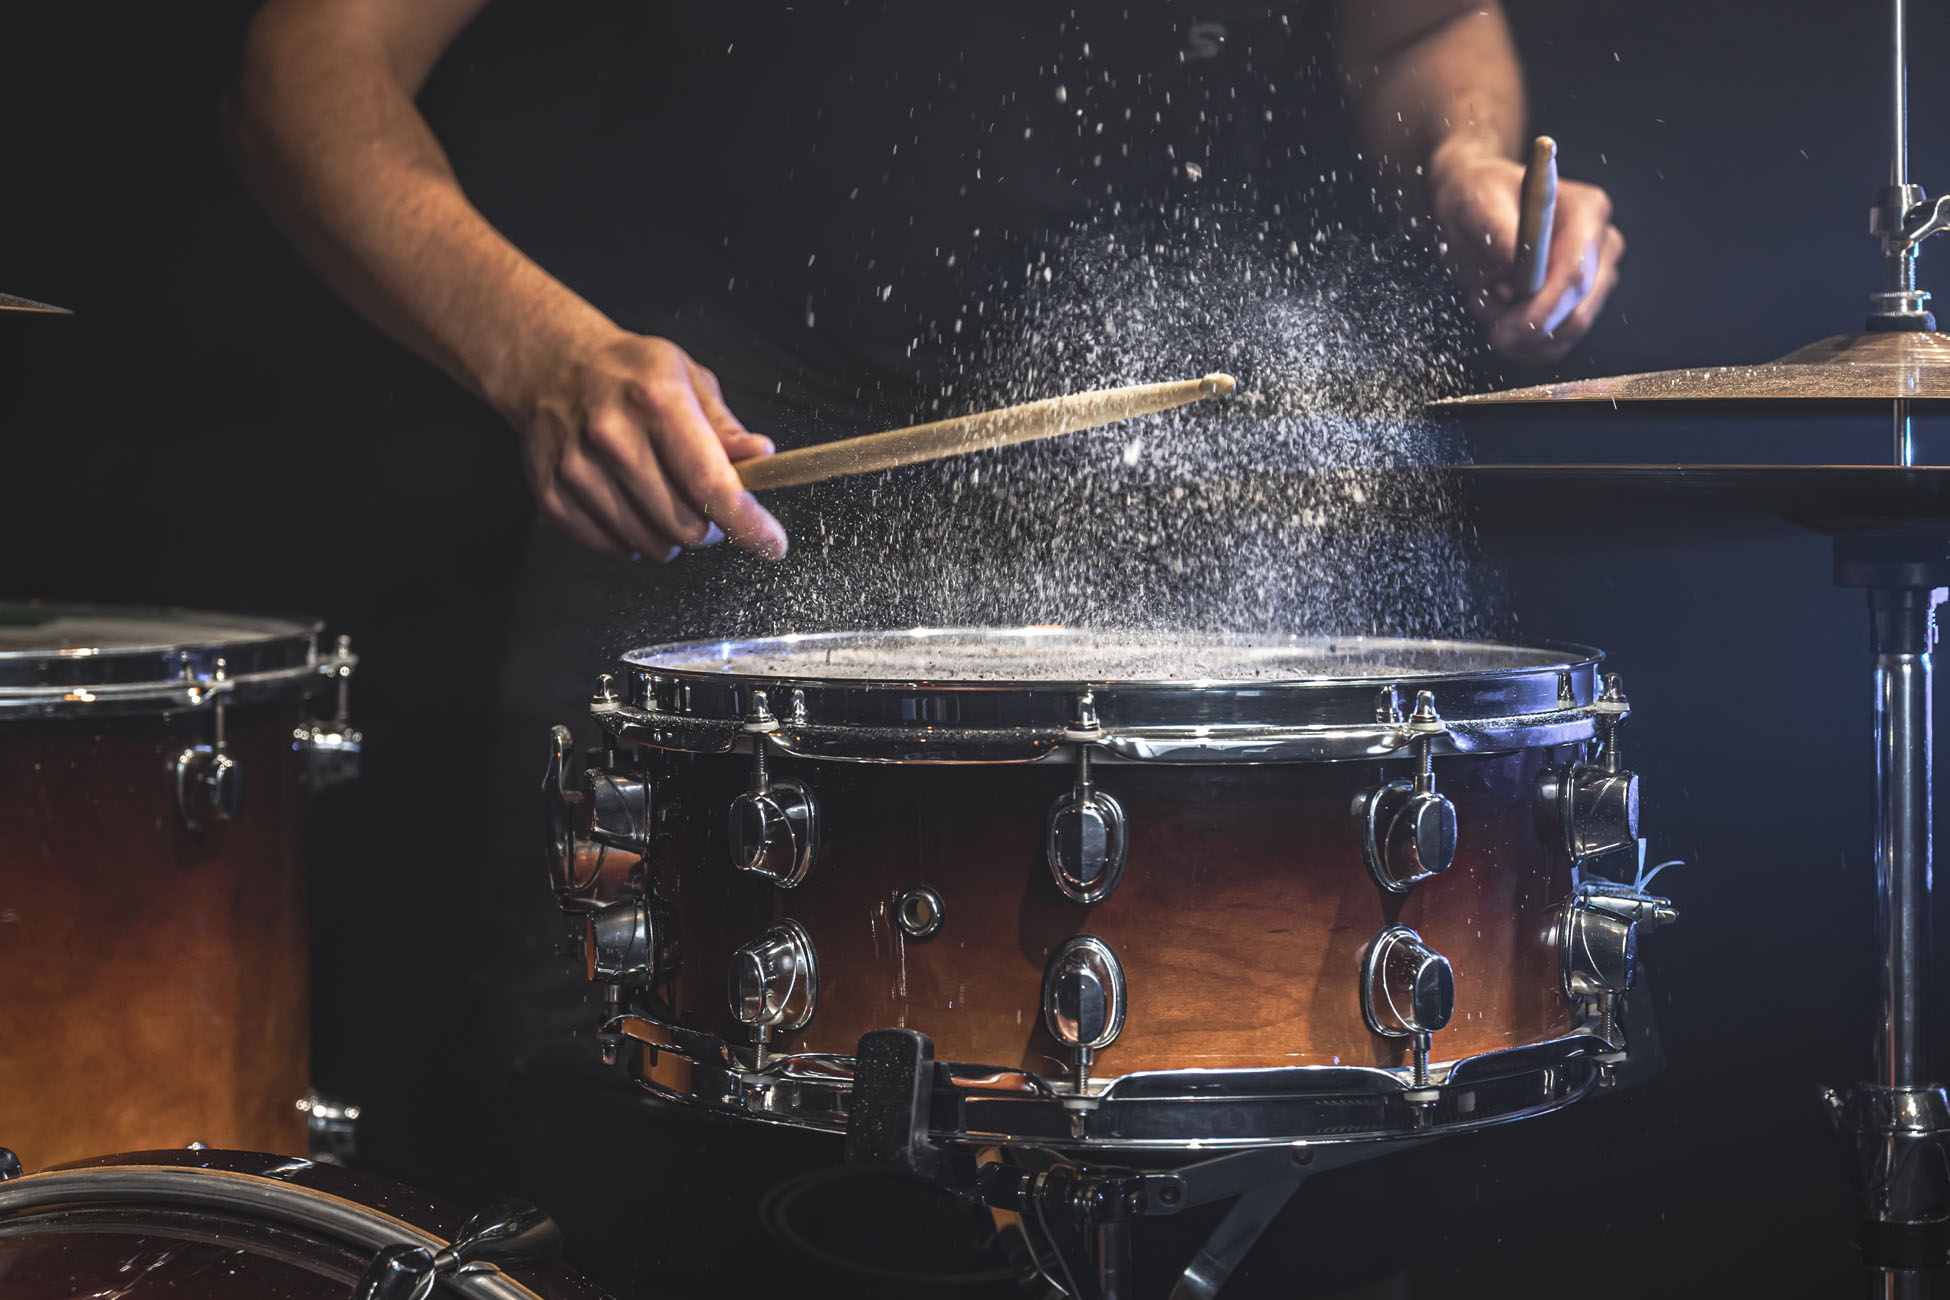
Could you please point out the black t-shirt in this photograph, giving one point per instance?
(846, 194)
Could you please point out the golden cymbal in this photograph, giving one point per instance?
(8, 302)
(1846, 367)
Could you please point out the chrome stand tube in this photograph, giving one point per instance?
(1898, 1124)
(1903, 621)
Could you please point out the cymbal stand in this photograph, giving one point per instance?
(1899, 1123)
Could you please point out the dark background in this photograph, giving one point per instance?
(212, 428)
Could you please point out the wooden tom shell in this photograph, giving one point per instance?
(153, 947)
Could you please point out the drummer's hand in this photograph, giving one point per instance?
(1476, 193)
(629, 448)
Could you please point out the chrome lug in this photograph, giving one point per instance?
(1598, 950)
(1408, 989)
(629, 944)
(1083, 994)
(774, 980)
(775, 832)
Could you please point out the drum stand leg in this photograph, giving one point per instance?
(1899, 1122)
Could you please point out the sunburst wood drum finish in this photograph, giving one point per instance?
(153, 949)
(791, 844)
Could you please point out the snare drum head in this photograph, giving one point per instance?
(74, 659)
(1014, 694)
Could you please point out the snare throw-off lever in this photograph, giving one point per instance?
(1410, 829)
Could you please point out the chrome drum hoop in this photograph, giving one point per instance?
(243, 1183)
(1500, 698)
(149, 661)
(1159, 1111)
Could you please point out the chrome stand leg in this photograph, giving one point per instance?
(1899, 1122)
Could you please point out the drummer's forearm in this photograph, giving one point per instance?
(1430, 76)
(324, 127)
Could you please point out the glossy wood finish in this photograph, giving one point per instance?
(1241, 919)
(153, 982)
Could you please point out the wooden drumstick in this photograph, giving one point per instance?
(1534, 224)
(965, 433)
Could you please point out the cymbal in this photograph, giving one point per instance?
(1833, 499)
(8, 302)
(1846, 368)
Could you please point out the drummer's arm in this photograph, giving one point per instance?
(627, 440)
(1438, 96)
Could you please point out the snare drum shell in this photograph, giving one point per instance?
(155, 978)
(1241, 920)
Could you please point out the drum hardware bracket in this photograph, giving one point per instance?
(1084, 1000)
(332, 748)
(1409, 832)
(1407, 991)
(1085, 1212)
(331, 1129)
(209, 783)
(507, 1232)
(1596, 804)
(773, 984)
(1086, 839)
(773, 827)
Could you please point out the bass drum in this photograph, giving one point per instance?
(232, 1225)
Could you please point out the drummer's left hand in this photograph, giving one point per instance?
(1476, 192)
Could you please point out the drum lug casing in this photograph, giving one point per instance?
(1597, 804)
(1409, 831)
(209, 781)
(598, 828)
(1598, 950)
(772, 828)
(1084, 1001)
(632, 944)
(1408, 990)
(332, 748)
(773, 983)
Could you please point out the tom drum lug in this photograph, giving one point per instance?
(332, 748)
(209, 782)
(774, 981)
(1409, 830)
(1086, 840)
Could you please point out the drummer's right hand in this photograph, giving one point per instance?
(629, 448)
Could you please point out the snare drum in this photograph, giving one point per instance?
(1140, 891)
(152, 874)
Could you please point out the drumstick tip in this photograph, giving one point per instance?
(1218, 384)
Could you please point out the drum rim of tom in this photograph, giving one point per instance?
(286, 1190)
(1170, 1111)
(264, 655)
(1551, 698)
